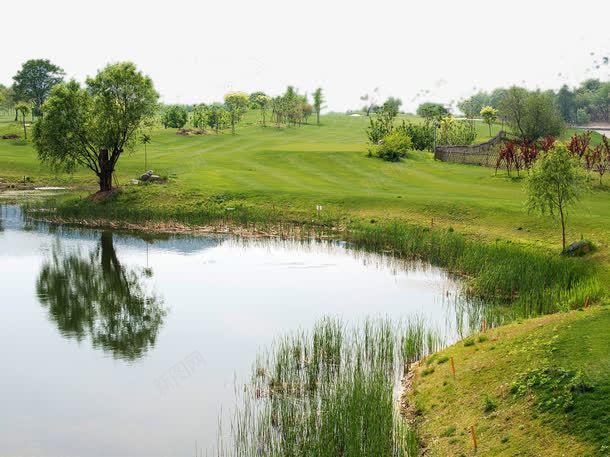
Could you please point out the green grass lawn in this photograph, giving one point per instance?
(294, 169)
(509, 423)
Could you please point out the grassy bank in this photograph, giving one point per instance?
(540, 387)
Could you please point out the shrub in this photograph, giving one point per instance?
(422, 135)
(394, 146)
(489, 404)
(555, 388)
(456, 132)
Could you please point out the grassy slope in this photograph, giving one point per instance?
(297, 168)
(578, 340)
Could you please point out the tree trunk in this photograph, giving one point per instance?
(318, 117)
(563, 228)
(105, 173)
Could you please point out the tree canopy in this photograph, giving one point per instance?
(35, 80)
(555, 182)
(430, 111)
(236, 104)
(318, 103)
(531, 115)
(93, 126)
(174, 116)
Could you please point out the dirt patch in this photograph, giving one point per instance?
(100, 196)
(11, 136)
(407, 409)
(225, 228)
(189, 132)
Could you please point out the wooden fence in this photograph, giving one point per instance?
(483, 154)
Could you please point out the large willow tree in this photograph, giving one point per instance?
(93, 126)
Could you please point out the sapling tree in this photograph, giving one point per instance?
(318, 102)
(555, 183)
(489, 115)
(199, 117)
(262, 102)
(93, 126)
(145, 140)
(23, 109)
(237, 105)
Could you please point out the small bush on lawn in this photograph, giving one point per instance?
(394, 146)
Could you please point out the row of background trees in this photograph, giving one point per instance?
(589, 102)
(290, 108)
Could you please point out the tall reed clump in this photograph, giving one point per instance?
(331, 392)
(534, 281)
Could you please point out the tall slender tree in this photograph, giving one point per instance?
(318, 103)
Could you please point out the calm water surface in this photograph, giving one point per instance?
(115, 344)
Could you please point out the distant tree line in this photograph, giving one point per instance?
(288, 109)
(589, 102)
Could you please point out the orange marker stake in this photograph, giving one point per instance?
(474, 437)
(452, 367)
(484, 325)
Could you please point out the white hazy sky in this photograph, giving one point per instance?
(196, 51)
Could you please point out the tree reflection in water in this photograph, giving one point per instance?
(98, 297)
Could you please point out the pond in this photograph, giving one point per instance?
(123, 344)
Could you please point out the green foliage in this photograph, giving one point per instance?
(35, 80)
(262, 102)
(291, 108)
(379, 127)
(468, 342)
(472, 106)
(392, 106)
(442, 359)
(394, 146)
(318, 103)
(489, 115)
(174, 116)
(452, 131)
(23, 109)
(93, 126)
(217, 117)
(236, 104)
(555, 387)
(592, 96)
(432, 111)
(582, 116)
(328, 393)
(199, 116)
(533, 281)
(422, 134)
(489, 404)
(567, 103)
(532, 115)
(556, 181)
